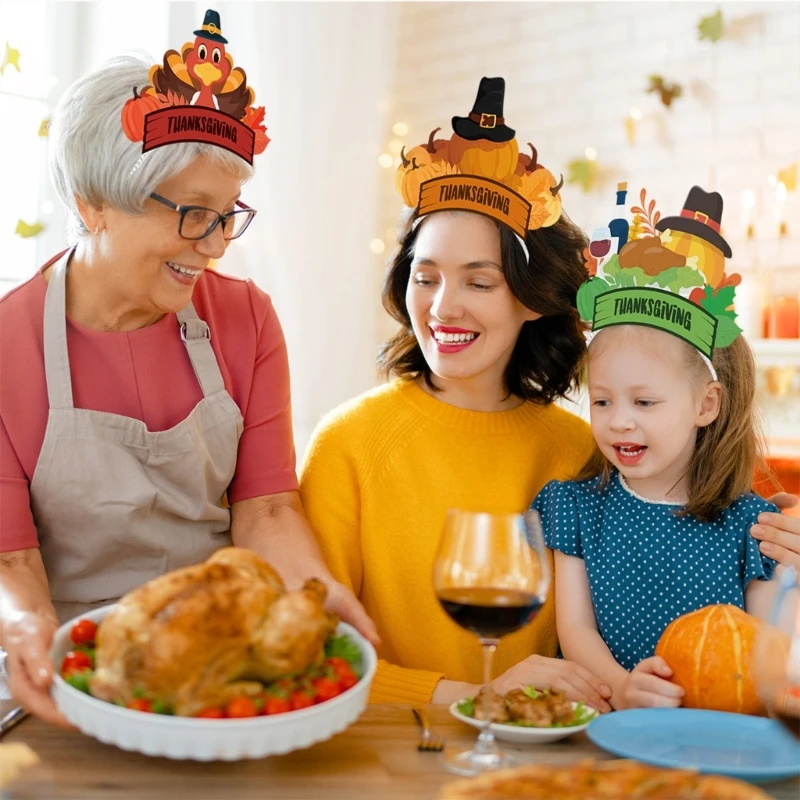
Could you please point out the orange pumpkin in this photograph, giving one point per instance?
(431, 153)
(134, 112)
(410, 177)
(709, 652)
(710, 260)
(495, 160)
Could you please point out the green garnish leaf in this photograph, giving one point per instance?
(344, 647)
(466, 707)
(80, 680)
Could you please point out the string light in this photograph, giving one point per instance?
(377, 246)
(385, 160)
(395, 146)
(400, 129)
(590, 153)
(636, 113)
(47, 207)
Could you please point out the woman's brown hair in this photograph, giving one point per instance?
(729, 450)
(544, 363)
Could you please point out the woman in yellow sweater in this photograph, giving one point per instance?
(489, 338)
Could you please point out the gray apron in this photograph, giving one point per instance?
(114, 503)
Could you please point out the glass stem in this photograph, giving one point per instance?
(486, 744)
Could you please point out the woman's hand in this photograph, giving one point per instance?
(576, 682)
(779, 534)
(648, 686)
(28, 637)
(342, 602)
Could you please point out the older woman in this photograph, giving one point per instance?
(145, 405)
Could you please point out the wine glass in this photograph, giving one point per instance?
(491, 575)
(600, 244)
(777, 653)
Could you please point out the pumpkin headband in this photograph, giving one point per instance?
(664, 273)
(479, 168)
(197, 95)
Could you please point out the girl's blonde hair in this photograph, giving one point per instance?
(729, 450)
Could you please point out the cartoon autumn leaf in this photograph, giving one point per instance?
(636, 230)
(590, 261)
(647, 215)
(26, 231)
(254, 117)
(539, 215)
(711, 27)
(583, 172)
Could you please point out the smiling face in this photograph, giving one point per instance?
(154, 268)
(462, 311)
(646, 407)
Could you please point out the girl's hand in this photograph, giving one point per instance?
(28, 637)
(779, 534)
(648, 686)
(577, 683)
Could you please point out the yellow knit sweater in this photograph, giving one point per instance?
(381, 472)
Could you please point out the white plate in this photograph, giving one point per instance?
(519, 733)
(208, 739)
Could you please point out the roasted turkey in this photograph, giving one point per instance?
(199, 636)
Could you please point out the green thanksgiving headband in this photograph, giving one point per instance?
(665, 273)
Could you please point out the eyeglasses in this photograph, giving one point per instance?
(198, 222)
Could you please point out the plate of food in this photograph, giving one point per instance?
(213, 662)
(589, 778)
(527, 716)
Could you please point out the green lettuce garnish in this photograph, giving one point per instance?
(344, 647)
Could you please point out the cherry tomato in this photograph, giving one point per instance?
(241, 707)
(300, 700)
(276, 705)
(75, 661)
(325, 689)
(140, 704)
(211, 713)
(83, 632)
(348, 681)
(339, 665)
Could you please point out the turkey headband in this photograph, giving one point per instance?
(663, 273)
(479, 168)
(197, 95)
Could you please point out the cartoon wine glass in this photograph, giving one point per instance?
(491, 576)
(600, 244)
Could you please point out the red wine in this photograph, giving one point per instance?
(490, 613)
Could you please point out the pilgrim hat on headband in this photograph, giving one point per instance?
(486, 121)
(211, 29)
(701, 216)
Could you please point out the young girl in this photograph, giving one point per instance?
(656, 524)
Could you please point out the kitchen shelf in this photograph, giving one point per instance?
(776, 352)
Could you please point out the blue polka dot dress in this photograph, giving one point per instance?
(645, 565)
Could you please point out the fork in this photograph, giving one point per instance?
(427, 742)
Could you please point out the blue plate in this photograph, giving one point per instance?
(749, 748)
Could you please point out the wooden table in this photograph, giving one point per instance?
(375, 759)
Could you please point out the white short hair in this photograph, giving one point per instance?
(91, 157)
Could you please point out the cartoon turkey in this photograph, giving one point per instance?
(203, 74)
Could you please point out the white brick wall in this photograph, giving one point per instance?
(574, 70)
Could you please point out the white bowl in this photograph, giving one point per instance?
(208, 739)
(521, 734)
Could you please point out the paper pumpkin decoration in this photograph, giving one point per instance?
(710, 654)
(479, 169)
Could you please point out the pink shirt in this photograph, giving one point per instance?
(145, 374)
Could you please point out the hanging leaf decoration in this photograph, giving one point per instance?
(26, 231)
(630, 130)
(667, 92)
(788, 177)
(647, 215)
(590, 262)
(44, 128)
(10, 59)
(711, 28)
(583, 172)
